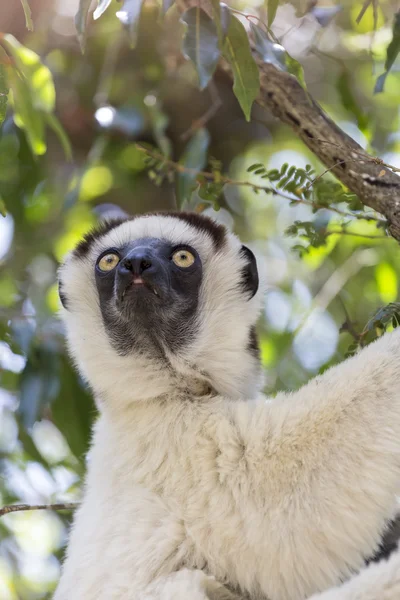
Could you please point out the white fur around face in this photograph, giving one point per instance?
(213, 499)
(225, 317)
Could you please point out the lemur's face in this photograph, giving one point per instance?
(176, 289)
(149, 292)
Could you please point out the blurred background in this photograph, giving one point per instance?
(323, 286)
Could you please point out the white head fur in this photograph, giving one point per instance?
(222, 354)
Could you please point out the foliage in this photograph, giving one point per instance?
(126, 125)
(201, 43)
(391, 53)
(246, 83)
(272, 7)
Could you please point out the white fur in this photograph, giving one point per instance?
(190, 498)
(379, 581)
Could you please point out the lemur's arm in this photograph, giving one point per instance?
(379, 581)
(325, 462)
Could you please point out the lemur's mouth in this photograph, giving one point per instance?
(138, 283)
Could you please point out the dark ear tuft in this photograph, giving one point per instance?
(62, 296)
(250, 273)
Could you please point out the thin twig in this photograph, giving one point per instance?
(269, 190)
(363, 10)
(349, 326)
(216, 104)
(20, 507)
(365, 157)
(313, 181)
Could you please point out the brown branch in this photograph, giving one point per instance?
(286, 99)
(20, 507)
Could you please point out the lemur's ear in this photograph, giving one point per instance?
(250, 279)
(63, 297)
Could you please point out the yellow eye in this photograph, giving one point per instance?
(108, 262)
(183, 258)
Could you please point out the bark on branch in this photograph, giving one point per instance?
(374, 183)
(5, 510)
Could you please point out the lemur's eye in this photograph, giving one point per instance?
(108, 262)
(183, 258)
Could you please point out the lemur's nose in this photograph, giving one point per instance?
(137, 261)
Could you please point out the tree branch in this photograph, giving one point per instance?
(375, 185)
(5, 510)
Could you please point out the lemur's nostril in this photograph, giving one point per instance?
(145, 264)
(137, 262)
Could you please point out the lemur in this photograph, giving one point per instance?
(198, 486)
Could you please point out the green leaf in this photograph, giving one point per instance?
(73, 411)
(101, 8)
(253, 167)
(394, 46)
(391, 54)
(3, 88)
(25, 114)
(269, 51)
(380, 83)
(3, 210)
(30, 447)
(194, 159)
(58, 129)
(28, 15)
(129, 15)
(222, 16)
(344, 86)
(159, 122)
(210, 192)
(272, 7)
(200, 43)
(81, 22)
(237, 52)
(37, 76)
(38, 385)
(33, 95)
(296, 69)
(23, 331)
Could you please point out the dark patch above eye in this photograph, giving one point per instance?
(203, 223)
(84, 246)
